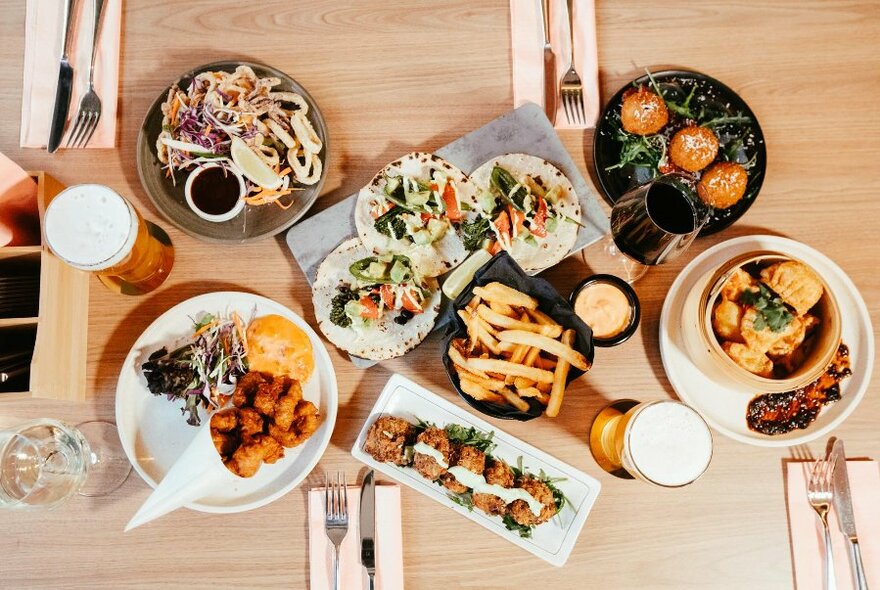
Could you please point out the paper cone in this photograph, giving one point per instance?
(195, 474)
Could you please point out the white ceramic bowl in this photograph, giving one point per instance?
(232, 213)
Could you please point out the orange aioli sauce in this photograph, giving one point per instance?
(604, 308)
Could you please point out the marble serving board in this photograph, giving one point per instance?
(523, 130)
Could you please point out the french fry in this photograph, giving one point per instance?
(508, 295)
(514, 400)
(528, 392)
(559, 377)
(543, 363)
(473, 303)
(487, 326)
(478, 392)
(491, 383)
(501, 308)
(544, 387)
(509, 323)
(542, 318)
(544, 398)
(519, 352)
(508, 368)
(488, 340)
(457, 358)
(469, 319)
(522, 382)
(532, 357)
(554, 347)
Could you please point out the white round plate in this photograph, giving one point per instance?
(722, 403)
(154, 432)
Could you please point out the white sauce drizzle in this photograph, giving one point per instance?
(426, 449)
(479, 486)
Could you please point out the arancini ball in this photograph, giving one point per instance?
(693, 148)
(643, 112)
(723, 185)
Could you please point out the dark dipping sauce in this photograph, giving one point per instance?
(215, 191)
(778, 413)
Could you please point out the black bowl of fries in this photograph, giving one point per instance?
(514, 343)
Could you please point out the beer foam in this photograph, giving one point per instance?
(669, 443)
(90, 226)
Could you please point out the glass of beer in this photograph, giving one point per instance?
(93, 228)
(665, 443)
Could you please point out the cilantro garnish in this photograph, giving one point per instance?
(772, 312)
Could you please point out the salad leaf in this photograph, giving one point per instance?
(470, 437)
(475, 232)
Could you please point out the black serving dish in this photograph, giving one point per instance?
(504, 269)
(715, 99)
(635, 307)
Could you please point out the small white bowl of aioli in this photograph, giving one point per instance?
(610, 306)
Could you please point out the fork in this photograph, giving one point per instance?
(571, 89)
(89, 112)
(820, 494)
(335, 517)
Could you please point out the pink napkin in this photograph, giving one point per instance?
(389, 542)
(19, 219)
(807, 536)
(42, 51)
(527, 42)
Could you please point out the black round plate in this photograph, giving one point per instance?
(716, 98)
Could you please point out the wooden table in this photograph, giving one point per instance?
(393, 76)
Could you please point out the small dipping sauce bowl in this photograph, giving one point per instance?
(610, 306)
(215, 192)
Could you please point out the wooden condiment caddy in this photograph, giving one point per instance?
(59, 332)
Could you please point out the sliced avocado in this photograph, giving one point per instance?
(421, 237)
(437, 229)
(391, 184)
(400, 272)
(353, 309)
(377, 270)
(418, 199)
(487, 202)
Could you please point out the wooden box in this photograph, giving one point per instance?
(59, 331)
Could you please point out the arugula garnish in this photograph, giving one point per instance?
(475, 232)
(524, 530)
(470, 437)
(466, 500)
(772, 312)
(641, 151)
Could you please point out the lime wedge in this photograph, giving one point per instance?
(459, 278)
(254, 168)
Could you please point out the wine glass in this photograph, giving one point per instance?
(45, 462)
(651, 224)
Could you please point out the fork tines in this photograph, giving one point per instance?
(86, 121)
(336, 500)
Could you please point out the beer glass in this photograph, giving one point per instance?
(665, 443)
(93, 228)
(45, 462)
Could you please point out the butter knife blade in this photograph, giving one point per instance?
(368, 523)
(550, 84)
(62, 105)
(842, 495)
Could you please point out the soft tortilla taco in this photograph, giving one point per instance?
(374, 307)
(524, 205)
(414, 207)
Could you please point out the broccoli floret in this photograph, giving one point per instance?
(391, 224)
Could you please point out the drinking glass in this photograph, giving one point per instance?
(665, 443)
(651, 224)
(45, 462)
(92, 227)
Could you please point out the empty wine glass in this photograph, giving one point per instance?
(45, 462)
(651, 224)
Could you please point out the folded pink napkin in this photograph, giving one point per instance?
(527, 42)
(44, 24)
(389, 542)
(807, 536)
(19, 219)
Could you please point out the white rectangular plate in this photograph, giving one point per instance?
(552, 541)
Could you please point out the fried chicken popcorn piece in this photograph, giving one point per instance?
(267, 394)
(726, 320)
(251, 422)
(285, 411)
(223, 442)
(795, 283)
(761, 340)
(246, 388)
(247, 458)
(295, 390)
(225, 420)
(736, 283)
(305, 423)
(750, 360)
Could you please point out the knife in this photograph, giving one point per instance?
(368, 526)
(843, 508)
(549, 66)
(65, 82)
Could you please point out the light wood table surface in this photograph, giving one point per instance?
(392, 76)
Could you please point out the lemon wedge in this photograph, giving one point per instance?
(254, 168)
(459, 278)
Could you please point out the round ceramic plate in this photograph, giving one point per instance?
(254, 222)
(154, 433)
(722, 403)
(715, 100)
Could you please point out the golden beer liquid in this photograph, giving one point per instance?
(607, 436)
(146, 266)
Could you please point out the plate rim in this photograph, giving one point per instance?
(592, 485)
(665, 340)
(672, 72)
(329, 422)
(313, 105)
